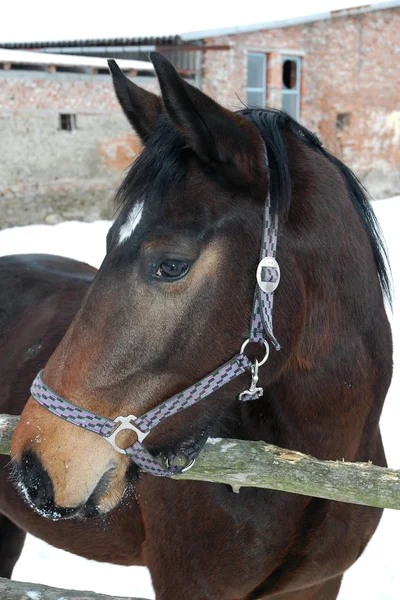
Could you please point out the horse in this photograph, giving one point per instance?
(171, 303)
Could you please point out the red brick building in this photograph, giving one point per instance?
(338, 73)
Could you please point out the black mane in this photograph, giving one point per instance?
(271, 123)
(164, 164)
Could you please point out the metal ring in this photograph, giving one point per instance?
(266, 346)
(189, 466)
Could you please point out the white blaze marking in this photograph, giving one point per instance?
(131, 222)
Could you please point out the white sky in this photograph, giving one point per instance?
(41, 20)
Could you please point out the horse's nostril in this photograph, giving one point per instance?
(36, 482)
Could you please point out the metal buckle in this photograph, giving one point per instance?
(125, 423)
(268, 286)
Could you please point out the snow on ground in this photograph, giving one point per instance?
(82, 241)
(375, 576)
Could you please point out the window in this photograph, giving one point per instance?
(67, 122)
(342, 120)
(256, 79)
(291, 86)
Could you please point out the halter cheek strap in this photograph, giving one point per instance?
(268, 276)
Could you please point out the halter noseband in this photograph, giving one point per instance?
(268, 276)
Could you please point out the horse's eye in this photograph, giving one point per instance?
(172, 269)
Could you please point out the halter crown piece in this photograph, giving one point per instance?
(268, 276)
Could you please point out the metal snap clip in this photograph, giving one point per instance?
(253, 392)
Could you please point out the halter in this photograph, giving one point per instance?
(268, 276)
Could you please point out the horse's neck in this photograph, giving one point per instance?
(309, 413)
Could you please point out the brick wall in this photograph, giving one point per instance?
(48, 174)
(349, 65)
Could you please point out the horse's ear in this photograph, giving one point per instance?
(214, 133)
(140, 106)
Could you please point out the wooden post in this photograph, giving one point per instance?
(7, 425)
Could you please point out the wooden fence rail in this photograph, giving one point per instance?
(239, 463)
(17, 590)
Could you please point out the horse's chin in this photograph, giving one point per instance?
(109, 495)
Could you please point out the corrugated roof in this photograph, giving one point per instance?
(182, 38)
(170, 40)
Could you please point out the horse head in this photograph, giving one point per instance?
(171, 301)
